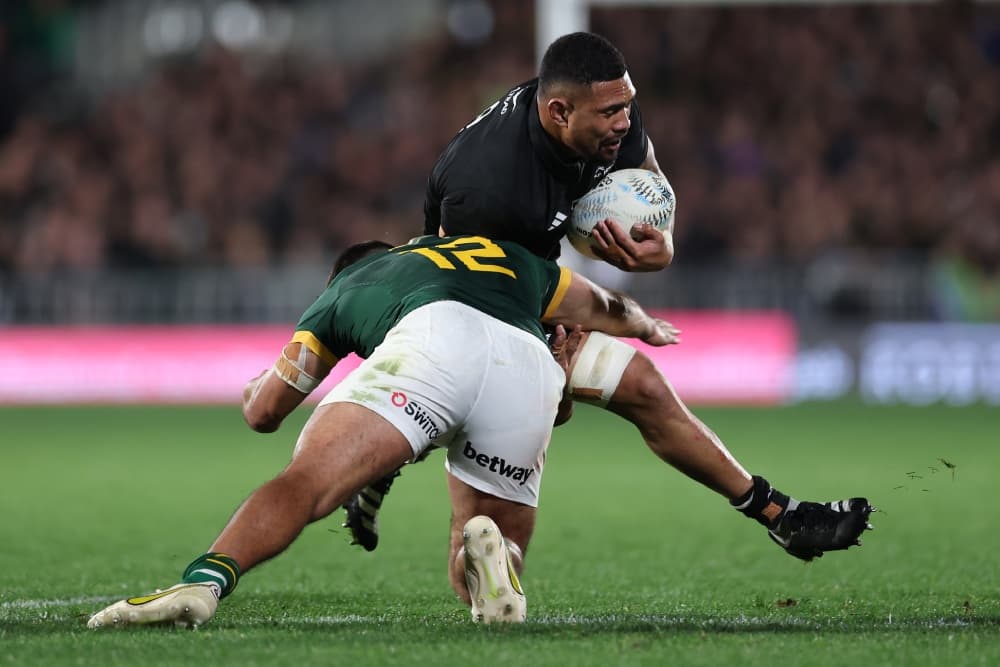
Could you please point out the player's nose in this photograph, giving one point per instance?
(622, 123)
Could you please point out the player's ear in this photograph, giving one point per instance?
(559, 109)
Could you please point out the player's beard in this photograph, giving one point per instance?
(607, 155)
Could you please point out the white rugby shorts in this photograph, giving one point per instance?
(452, 376)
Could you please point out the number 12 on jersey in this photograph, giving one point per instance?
(467, 251)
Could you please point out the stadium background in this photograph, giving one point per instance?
(201, 163)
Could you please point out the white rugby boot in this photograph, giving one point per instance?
(183, 605)
(496, 592)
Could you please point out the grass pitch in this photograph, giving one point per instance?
(632, 564)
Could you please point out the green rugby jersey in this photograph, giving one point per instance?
(361, 305)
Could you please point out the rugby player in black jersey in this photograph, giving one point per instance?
(513, 174)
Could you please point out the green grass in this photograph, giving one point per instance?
(632, 564)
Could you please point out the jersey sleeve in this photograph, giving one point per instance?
(557, 292)
(315, 345)
(432, 208)
(315, 329)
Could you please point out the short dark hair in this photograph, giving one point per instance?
(354, 253)
(581, 58)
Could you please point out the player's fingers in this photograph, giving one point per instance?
(573, 340)
(573, 343)
(614, 246)
(643, 232)
(558, 338)
(601, 253)
(564, 345)
(670, 332)
(669, 327)
(618, 236)
(602, 235)
(611, 234)
(605, 250)
(663, 334)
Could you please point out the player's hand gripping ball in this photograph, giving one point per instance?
(629, 197)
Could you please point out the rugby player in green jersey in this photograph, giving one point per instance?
(455, 356)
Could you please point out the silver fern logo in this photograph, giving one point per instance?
(651, 191)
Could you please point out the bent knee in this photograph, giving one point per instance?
(643, 386)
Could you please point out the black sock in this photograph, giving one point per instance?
(762, 503)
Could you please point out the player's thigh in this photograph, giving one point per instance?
(612, 374)
(345, 446)
(645, 395)
(597, 368)
(500, 448)
(515, 520)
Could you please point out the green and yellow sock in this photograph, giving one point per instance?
(216, 569)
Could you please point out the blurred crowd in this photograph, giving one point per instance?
(790, 134)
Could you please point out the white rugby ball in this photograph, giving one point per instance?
(629, 197)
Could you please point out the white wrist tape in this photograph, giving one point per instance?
(293, 373)
(599, 367)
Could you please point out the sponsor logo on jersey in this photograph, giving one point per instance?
(416, 412)
(602, 170)
(497, 464)
(511, 100)
(558, 220)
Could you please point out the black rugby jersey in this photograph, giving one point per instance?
(502, 176)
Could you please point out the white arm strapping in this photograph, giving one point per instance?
(292, 372)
